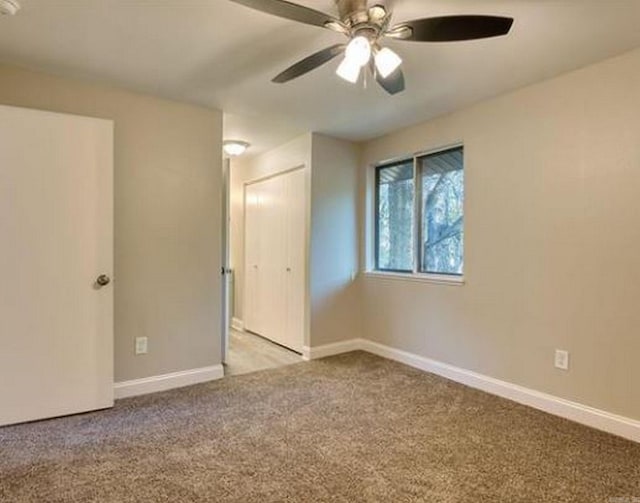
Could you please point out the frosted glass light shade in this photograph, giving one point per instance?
(234, 148)
(359, 50)
(349, 70)
(387, 62)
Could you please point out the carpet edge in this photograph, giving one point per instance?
(586, 415)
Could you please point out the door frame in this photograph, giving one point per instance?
(225, 269)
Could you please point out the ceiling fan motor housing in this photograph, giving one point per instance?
(367, 31)
(9, 7)
(354, 13)
(349, 8)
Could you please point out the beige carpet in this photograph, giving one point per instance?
(351, 428)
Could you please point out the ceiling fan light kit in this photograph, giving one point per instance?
(356, 56)
(366, 27)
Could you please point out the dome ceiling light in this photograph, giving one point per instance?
(234, 148)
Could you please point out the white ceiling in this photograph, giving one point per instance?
(220, 54)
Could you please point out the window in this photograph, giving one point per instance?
(419, 214)
(394, 222)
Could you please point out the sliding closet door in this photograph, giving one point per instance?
(252, 305)
(56, 256)
(296, 218)
(272, 257)
(275, 223)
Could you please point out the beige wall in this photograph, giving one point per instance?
(333, 307)
(334, 296)
(552, 235)
(167, 217)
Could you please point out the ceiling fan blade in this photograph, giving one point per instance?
(291, 11)
(309, 63)
(451, 28)
(393, 84)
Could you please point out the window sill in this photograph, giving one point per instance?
(438, 279)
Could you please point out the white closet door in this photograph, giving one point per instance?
(252, 306)
(56, 235)
(295, 290)
(272, 257)
(275, 251)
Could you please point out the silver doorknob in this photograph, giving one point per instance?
(103, 280)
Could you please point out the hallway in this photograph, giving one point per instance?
(249, 353)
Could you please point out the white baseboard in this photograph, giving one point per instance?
(331, 349)
(583, 414)
(237, 324)
(165, 382)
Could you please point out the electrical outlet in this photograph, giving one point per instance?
(141, 345)
(562, 359)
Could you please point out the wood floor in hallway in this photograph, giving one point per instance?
(249, 353)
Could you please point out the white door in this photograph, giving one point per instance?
(275, 253)
(272, 258)
(56, 239)
(296, 218)
(252, 308)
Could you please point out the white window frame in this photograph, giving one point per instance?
(415, 275)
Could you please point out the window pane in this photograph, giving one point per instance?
(442, 179)
(395, 200)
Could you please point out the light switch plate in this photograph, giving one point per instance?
(562, 359)
(141, 345)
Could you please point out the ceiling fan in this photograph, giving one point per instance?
(366, 27)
